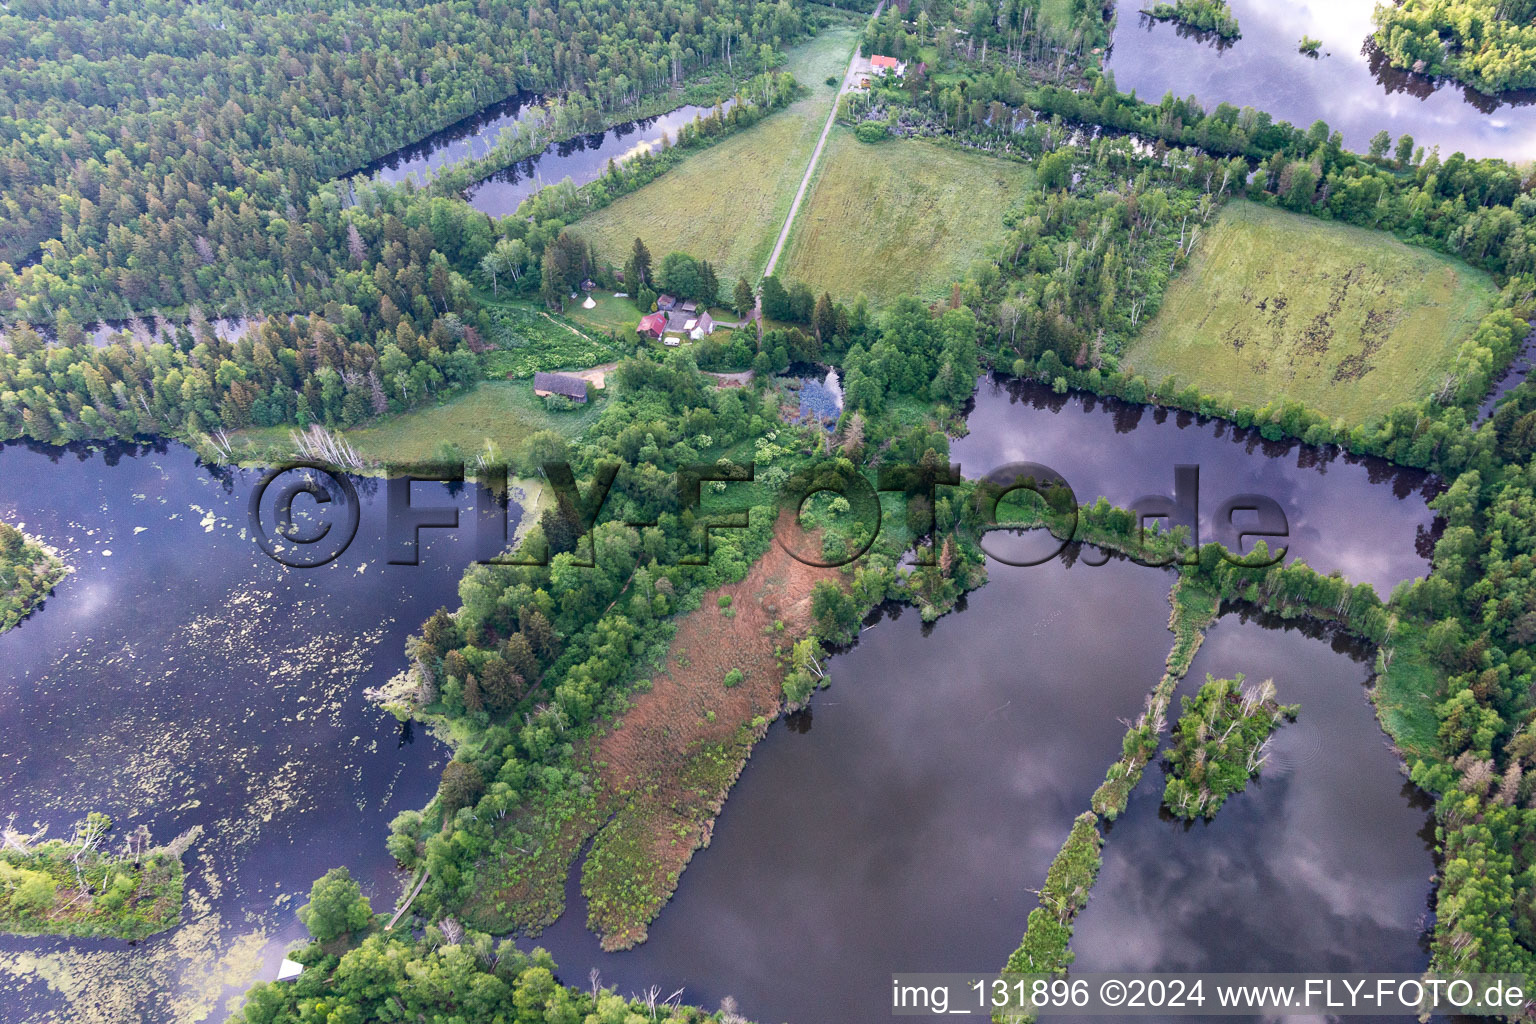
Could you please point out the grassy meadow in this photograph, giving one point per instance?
(728, 203)
(1056, 18)
(610, 314)
(503, 413)
(897, 217)
(1348, 321)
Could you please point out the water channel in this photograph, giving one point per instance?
(582, 159)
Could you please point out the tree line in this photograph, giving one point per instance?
(1489, 46)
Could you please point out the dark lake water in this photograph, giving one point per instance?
(1363, 517)
(180, 677)
(931, 786)
(1513, 376)
(1352, 87)
(898, 824)
(582, 159)
(1322, 864)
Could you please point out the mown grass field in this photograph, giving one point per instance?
(728, 203)
(901, 216)
(503, 413)
(610, 314)
(1348, 321)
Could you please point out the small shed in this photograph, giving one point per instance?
(573, 388)
(689, 307)
(665, 302)
(288, 970)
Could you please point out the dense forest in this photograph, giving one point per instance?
(1489, 46)
(143, 144)
(394, 326)
(207, 186)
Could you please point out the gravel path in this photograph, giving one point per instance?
(805, 182)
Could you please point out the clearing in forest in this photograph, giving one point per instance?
(503, 413)
(1348, 321)
(898, 217)
(727, 204)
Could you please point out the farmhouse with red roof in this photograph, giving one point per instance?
(865, 68)
(654, 325)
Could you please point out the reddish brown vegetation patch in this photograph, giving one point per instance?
(667, 722)
(669, 764)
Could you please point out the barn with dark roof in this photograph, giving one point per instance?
(573, 388)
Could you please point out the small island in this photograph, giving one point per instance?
(1219, 743)
(29, 570)
(1309, 46)
(82, 887)
(1204, 15)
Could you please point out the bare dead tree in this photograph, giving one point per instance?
(220, 442)
(1258, 755)
(729, 1013)
(320, 445)
(649, 997)
(137, 844)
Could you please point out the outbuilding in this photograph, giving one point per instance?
(573, 388)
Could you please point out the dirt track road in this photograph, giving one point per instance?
(805, 182)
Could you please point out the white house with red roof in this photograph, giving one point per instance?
(866, 68)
